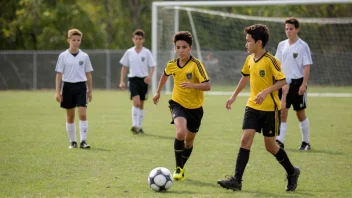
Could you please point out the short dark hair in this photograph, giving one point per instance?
(183, 36)
(138, 32)
(258, 32)
(292, 21)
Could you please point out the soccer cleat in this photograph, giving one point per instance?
(141, 131)
(230, 183)
(179, 174)
(278, 142)
(134, 130)
(293, 180)
(73, 145)
(304, 146)
(84, 145)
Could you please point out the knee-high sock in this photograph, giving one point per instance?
(282, 158)
(283, 129)
(241, 163)
(140, 117)
(179, 146)
(304, 125)
(83, 128)
(186, 154)
(135, 116)
(71, 131)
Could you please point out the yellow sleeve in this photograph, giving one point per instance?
(167, 70)
(201, 73)
(245, 68)
(275, 67)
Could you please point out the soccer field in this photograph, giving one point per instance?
(36, 161)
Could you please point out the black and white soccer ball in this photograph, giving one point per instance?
(160, 179)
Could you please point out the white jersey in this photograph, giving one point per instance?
(73, 68)
(138, 63)
(293, 57)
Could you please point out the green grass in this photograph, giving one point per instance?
(311, 89)
(36, 162)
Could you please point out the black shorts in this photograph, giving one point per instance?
(266, 121)
(193, 116)
(298, 102)
(138, 87)
(74, 95)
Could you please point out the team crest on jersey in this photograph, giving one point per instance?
(295, 55)
(80, 62)
(143, 58)
(189, 76)
(262, 73)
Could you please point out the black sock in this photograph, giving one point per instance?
(186, 153)
(179, 146)
(241, 163)
(282, 158)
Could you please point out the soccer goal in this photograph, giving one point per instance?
(219, 41)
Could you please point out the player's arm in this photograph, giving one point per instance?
(122, 77)
(58, 86)
(150, 75)
(161, 84)
(204, 86)
(90, 85)
(306, 72)
(262, 95)
(241, 84)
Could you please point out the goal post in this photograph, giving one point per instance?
(217, 28)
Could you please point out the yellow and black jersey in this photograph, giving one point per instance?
(263, 73)
(193, 71)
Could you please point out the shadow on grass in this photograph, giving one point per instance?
(98, 149)
(283, 194)
(157, 136)
(329, 152)
(201, 183)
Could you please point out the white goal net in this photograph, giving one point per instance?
(219, 41)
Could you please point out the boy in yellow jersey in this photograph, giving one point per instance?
(262, 113)
(190, 80)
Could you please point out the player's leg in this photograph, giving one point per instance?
(250, 126)
(81, 102)
(179, 119)
(194, 119)
(136, 102)
(71, 127)
(270, 122)
(280, 139)
(181, 131)
(68, 103)
(143, 90)
(299, 105)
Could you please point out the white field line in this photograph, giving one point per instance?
(228, 93)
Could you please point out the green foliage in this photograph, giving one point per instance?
(108, 24)
(36, 161)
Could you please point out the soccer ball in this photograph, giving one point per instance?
(160, 179)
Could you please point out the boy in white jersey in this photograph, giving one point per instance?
(141, 66)
(295, 57)
(74, 87)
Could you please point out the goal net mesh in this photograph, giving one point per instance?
(219, 40)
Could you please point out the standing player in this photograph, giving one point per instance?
(262, 113)
(294, 55)
(190, 80)
(75, 71)
(141, 66)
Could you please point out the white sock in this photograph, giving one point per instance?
(304, 125)
(71, 131)
(283, 129)
(141, 117)
(83, 128)
(135, 116)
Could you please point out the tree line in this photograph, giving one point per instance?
(106, 24)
